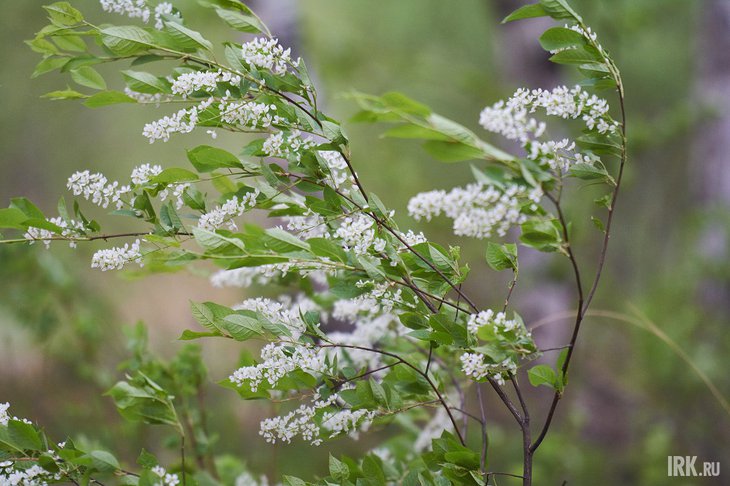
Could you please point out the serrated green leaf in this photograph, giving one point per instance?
(106, 98)
(126, 40)
(526, 12)
(89, 77)
(206, 159)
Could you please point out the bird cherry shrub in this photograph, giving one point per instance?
(371, 327)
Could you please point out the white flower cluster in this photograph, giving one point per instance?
(166, 479)
(311, 225)
(347, 421)
(267, 54)
(488, 317)
(276, 145)
(249, 114)
(412, 238)
(248, 479)
(34, 475)
(163, 8)
(301, 422)
(287, 313)
(5, 417)
(130, 8)
(188, 83)
(141, 175)
(115, 258)
(233, 207)
(337, 165)
(137, 9)
(146, 98)
(97, 189)
(183, 121)
(477, 210)
(278, 360)
(473, 364)
(358, 234)
(265, 274)
(178, 190)
(512, 119)
(70, 229)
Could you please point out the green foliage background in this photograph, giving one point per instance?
(633, 401)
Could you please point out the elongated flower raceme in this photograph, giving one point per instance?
(117, 257)
(477, 210)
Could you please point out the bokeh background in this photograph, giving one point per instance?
(633, 398)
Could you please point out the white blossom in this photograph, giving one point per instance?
(474, 365)
(248, 479)
(310, 225)
(115, 258)
(178, 190)
(357, 233)
(163, 8)
(276, 145)
(249, 114)
(346, 421)
(497, 320)
(130, 8)
(339, 172)
(146, 98)
(188, 83)
(278, 360)
(267, 54)
(166, 479)
(477, 210)
(225, 213)
(69, 229)
(183, 121)
(142, 174)
(512, 118)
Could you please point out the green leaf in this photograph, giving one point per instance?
(49, 64)
(174, 174)
(62, 13)
(28, 208)
(590, 172)
(502, 257)
(186, 39)
(70, 42)
(242, 326)
(206, 159)
(126, 40)
(526, 12)
(585, 55)
(104, 461)
(240, 21)
(106, 98)
(87, 76)
(452, 151)
(542, 375)
(557, 38)
(541, 235)
(189, 335)
(12, 218)
(285, 241)
(21, 436)
(338, 470)
(66, 94)
(214, 242)
(143, 82)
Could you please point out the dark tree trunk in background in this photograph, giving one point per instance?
(710, 172)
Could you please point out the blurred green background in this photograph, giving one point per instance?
(632, 401)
